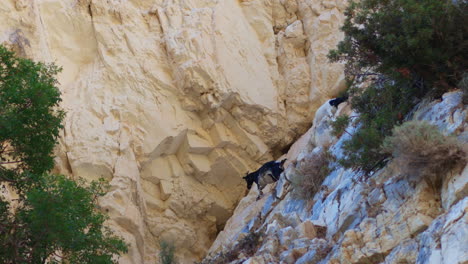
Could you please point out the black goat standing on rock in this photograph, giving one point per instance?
(268, 173)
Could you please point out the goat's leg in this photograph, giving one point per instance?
(275, 193)
(260, 194)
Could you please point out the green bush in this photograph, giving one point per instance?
(54, 219)
(396, 53)
(310, 174)
(380, 106)
(419, 148)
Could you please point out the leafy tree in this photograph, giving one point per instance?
(29, 118)
(54, 219)
(418, 39)
(397, 52)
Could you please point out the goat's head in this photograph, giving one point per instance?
(249, 178)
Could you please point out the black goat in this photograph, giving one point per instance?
(268, 173)
(337, 101)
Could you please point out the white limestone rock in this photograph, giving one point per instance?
(382, 218)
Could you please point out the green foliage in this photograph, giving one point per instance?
(396, 52)
(166, 253)
(54, 219)
(29, 118)
(339, 125)
(380, 107)
(419, 148)
(406, 38)
(310, 174)
(58, 219)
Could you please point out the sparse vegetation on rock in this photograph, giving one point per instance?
(245, 248)
(310, 173)
(166, 253)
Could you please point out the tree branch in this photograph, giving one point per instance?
(10, 162)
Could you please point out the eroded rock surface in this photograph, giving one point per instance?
(172, 101)
(354, 218)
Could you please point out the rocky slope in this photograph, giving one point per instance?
(353, 218)
(173, 100)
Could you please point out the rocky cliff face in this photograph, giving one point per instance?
(354, 218)
(172, 101)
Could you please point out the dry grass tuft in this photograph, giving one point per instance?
(246, 247)
(310, 174)
(419, 148)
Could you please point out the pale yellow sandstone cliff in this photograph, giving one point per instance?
(173, 100)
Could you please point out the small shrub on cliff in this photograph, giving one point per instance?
(420, 148)
(166, 253)
(54, 219)
(310, 174)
